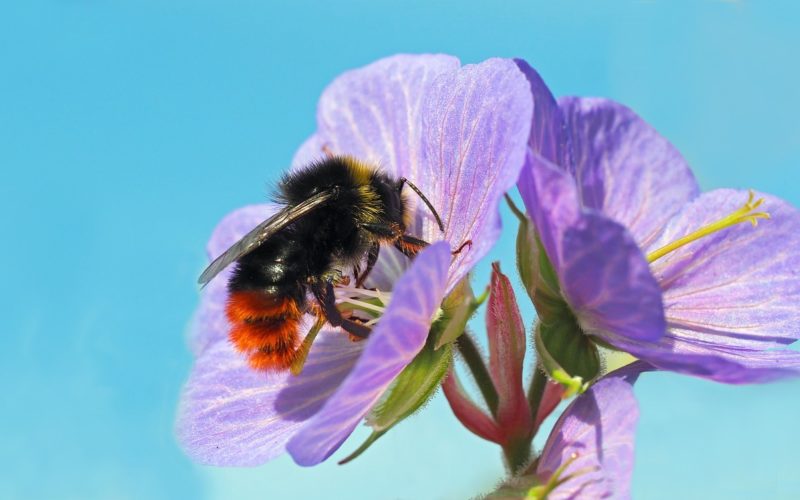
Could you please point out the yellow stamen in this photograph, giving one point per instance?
(365, 292)
(369, 301)
(362, 305)
(540, 492)
(744, 214)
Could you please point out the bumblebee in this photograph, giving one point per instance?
(335, 213)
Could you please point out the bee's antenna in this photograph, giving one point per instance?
(403, 180)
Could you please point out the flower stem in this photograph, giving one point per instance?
(536, 391)
(513, 206)
(469, 351)
(517, 454)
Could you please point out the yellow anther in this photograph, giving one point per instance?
(745, 214)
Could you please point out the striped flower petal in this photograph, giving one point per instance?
(398, 337)
(603, 274)
(210, 324)
(230, 414)
(730, 298)
(624, 168)
(594, 438)
(475, 124)
(374, 113)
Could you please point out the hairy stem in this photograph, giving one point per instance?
(535, 393)
(517, 454)
(469, 351)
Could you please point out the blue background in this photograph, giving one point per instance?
(127, 129)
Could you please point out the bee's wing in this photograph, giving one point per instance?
(262, 232)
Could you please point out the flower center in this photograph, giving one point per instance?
(362, 301)
(747, 213)
(349, 300)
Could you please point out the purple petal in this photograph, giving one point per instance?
(373, 113)
(399, 336)
(551, 198)
(599, 427)
(390, 266)
(727, 365)
(209, 324)
(235, 225)
(730, 298)
(625, 169)
(738, 287)
(607, 282)
(230, 414)
(309, 152)
(475, 124)
(547, 136)
(603, 274)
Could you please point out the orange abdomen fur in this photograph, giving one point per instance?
(265, 328)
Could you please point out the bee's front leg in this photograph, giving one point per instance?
(323, 292)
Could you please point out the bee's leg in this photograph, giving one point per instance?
(409, 245)
(372, 258)
(336, 276)
(383, 231)
(458, 250)
(323, 292)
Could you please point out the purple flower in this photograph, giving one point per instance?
(590, 451)
(612, 202)
(459, 133)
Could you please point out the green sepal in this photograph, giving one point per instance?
(527, 250)
(457, 309)
(547, 273)
(535, 270)
(415, 385)
(361, 449)
(567, 355)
